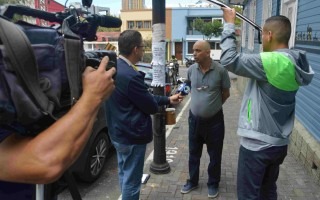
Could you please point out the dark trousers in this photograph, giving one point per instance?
(209, 131)
(258, 172)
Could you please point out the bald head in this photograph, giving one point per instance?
(201, 52)
(203, 45)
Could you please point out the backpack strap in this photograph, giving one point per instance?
(73, 64)
(23, 62)
(74, 60)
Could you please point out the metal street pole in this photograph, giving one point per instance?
(159, 164)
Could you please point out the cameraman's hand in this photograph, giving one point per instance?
(98, 83)
(176, 98)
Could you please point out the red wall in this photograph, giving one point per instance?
(54, 6)
(50, 6)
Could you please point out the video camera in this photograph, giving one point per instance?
(48, 62)
(85, 29)
(93, 58)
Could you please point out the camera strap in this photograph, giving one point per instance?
(73, 54)
(73, 63)
(23, 62)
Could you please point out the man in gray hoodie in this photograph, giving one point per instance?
(268, 107)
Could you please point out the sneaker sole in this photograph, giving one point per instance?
(213, 196)
(186, 192)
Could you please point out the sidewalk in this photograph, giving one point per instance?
(293, 183)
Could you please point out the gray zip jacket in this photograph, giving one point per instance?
(268, 106)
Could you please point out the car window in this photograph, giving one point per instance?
(147, 71)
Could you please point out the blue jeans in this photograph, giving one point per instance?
(258, 172)
(130, 169)
(209, 132)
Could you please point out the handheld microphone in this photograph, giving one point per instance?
(184, 88)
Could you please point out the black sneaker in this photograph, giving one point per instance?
(188, 187)
(212, 192)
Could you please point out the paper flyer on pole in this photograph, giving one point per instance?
(158, 64)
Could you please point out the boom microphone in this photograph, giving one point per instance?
(105, 21)
(9, 11)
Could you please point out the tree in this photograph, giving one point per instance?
(208, 29)
(238, 10)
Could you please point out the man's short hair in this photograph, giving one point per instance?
(128, 40)
(280, 26)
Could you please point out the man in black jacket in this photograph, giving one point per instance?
(128, 114)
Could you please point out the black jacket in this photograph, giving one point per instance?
(129, 107)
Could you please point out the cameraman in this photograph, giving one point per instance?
(44, 158)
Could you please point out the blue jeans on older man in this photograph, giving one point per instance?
(209, 131)
(130, 169)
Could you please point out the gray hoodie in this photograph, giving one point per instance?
(268, 106)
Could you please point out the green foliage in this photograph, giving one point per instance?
(148, 44)
(147, 57)
(208, 29)
(238, 10)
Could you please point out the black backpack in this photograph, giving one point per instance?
(40, 74)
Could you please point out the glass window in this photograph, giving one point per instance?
(212, 45)
(218, 46)
(190, 47)
(130, 24)
(139, 24)
(147, 24)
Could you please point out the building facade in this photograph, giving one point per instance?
(305, 139)
(133, 4)
(180, 35)
(140, 20)
(180, 32)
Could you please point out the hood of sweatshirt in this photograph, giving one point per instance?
(304, 72)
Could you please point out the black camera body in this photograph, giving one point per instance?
(49, 76)
(93, 58)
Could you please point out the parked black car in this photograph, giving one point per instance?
(93, 158)
(147, 69)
